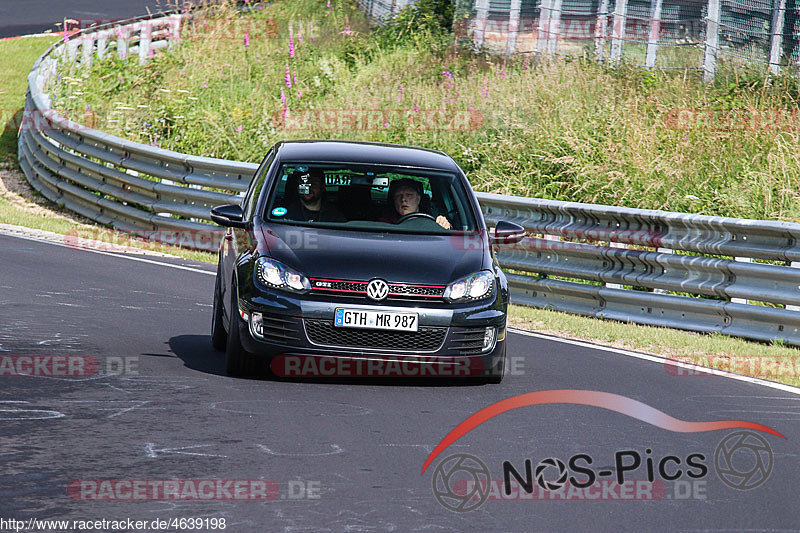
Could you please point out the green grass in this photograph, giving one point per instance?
(16, 59)
(774, 362)
(565, 130)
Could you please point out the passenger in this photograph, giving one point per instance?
(405, 196)
(310, 204)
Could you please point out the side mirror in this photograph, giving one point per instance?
(230, 216)
(507, 233)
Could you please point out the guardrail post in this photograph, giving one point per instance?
(654, 35)
(741, 260)
(776, 40)
(663, 251)
(793, 264)
(543, 30)
(145, 39)
(513, 27)
(618, 33)
(600, 31)
(712, 40)
(615, 245)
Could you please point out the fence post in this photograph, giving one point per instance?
(554, 26)
(102, 40)
(145, 39)
(513, 27)
(655, 34)
(543, 30)
(600, 30)
(87, 49)
(174, 30)
(481, 16)
(122, 41)
(618, 35)
(712, 40)
(776, 40)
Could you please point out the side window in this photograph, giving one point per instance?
(256, 186)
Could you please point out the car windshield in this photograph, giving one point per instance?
(359, 197)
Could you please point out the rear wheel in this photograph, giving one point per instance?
(219, 338)
(238, 362)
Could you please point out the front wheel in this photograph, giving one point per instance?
(219, 338)
(497, 372)
(238, 363)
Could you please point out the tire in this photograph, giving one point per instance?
(238, 363)
(219, 337)
(496, 374)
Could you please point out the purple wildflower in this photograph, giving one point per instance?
(288, 76)
(247, 37)
(283, 97)
(239, 129)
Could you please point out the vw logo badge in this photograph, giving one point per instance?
(377, 289)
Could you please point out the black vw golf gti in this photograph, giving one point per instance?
(360, 259)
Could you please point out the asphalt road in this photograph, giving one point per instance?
(22, 17)
(356, 448)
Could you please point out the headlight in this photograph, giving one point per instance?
(473, 287)
(275, 274)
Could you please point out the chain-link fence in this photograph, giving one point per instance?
(699, 35)
(702, 35)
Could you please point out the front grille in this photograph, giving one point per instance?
(281, 329)
(397, 291)
(466, 341)
(323, 333)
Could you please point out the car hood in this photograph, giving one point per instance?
(359, 255)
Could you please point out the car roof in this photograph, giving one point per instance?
(363, 152)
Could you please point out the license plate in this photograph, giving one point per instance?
(354, 318)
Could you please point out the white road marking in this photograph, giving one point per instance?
(151, 451)
(140, 259)
(662, 360)
(638, 355)
(335, 451)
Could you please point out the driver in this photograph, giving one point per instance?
(310, 205)
(406, 195)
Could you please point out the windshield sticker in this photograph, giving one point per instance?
(279, 211)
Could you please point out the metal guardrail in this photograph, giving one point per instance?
(113, 181)
(625, 264)
(678, 270)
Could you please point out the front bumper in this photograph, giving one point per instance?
(450, 337)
